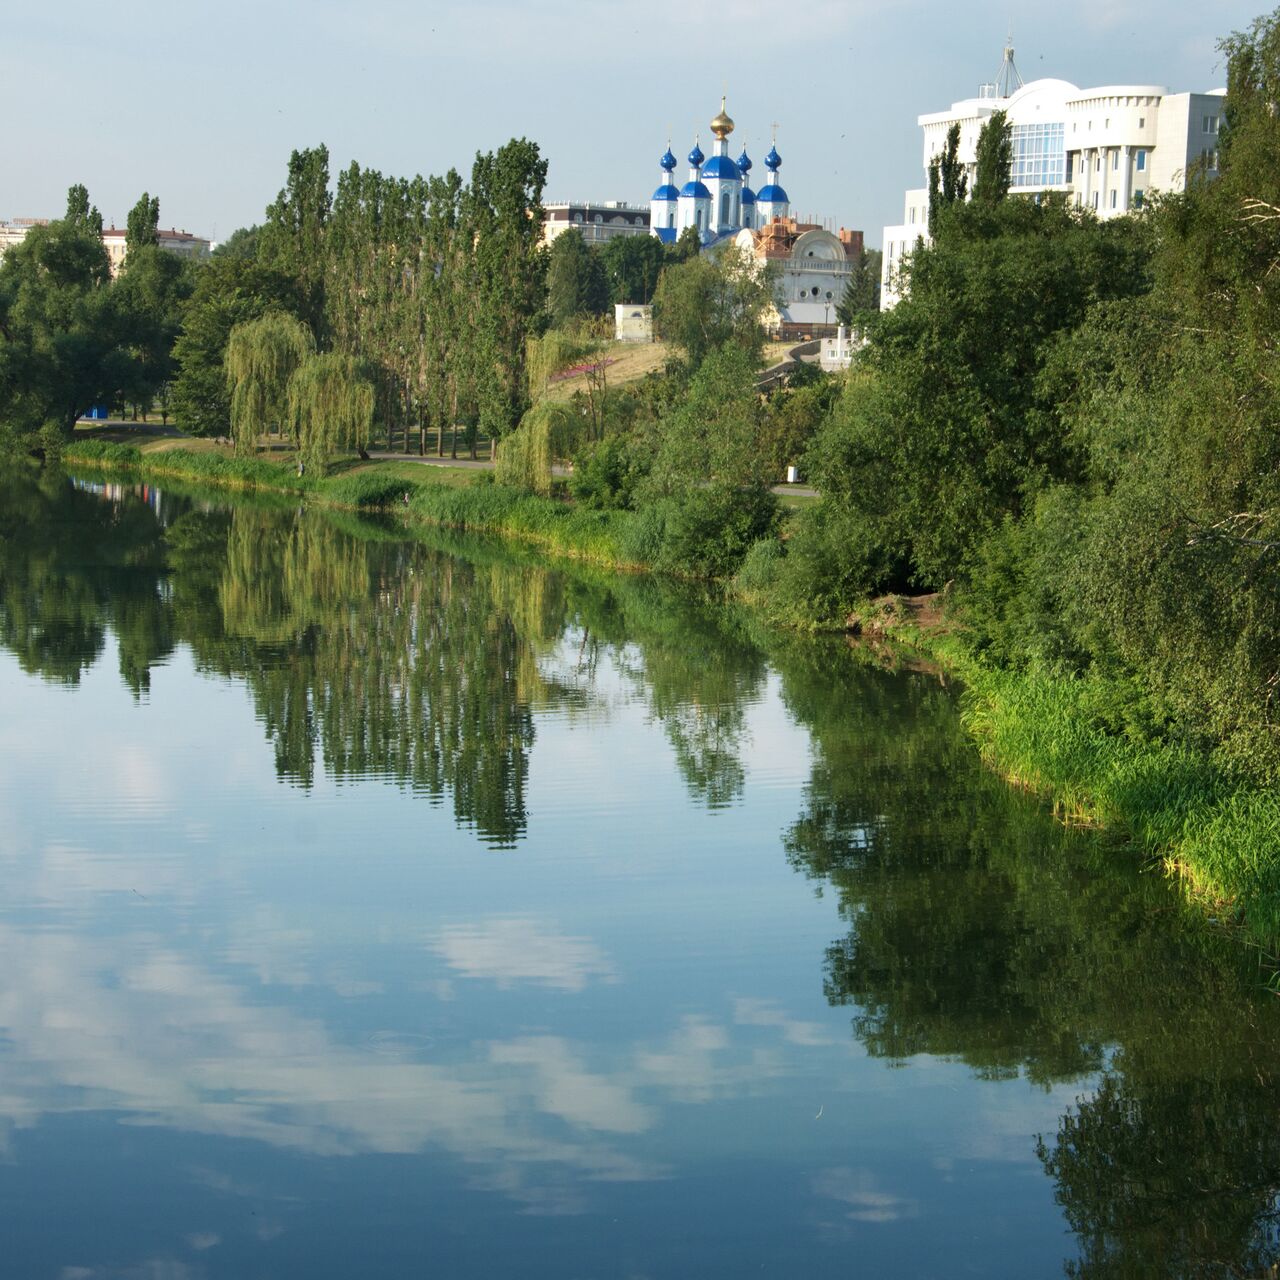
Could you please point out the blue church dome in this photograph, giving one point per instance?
(748, 196)
(668, 161)
(666, 192)
(772, 194)
(721, 167)
(773, 160)
(696, 190)
(696, 157)
(744, 163)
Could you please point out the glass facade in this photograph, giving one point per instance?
(1039, 155)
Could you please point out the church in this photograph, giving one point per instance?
(811, 263)
(717, 200)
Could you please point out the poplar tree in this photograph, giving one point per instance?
(293, 236)
(994, 171)
(947, 182)
(142, 225)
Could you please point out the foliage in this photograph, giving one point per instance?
(229, 290)
(791, 419)
(951, 426)
(948, 184)
(607, 474)
(993, 173)
(861, 300)
(62, 334)
(525, 457)
(292, 239)
(152, 295)
(262, 356)
(241, 243)
(709, 487)
(330, 401)
(632, 265)
(141, 227)
(705, 302)
(577, 284)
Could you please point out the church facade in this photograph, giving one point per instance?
(717, 200)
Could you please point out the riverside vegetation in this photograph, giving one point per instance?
(1066, 428)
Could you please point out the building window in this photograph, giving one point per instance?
(1115, 160)
(1207, 120)
(1142, 161)
(1113, 199)
(1107, 125)
(1095, 200)
(1137, 199)
(1097, 164)
(1039, 155)
(1142, 122)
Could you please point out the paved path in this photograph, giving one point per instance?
(483, 464)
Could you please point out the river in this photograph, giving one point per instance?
(389, 905)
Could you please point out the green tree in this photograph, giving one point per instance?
(292, 238)
(330, 406)
(80, 213)
(687, 245)
(151, 296)
(706, 302)
(633, 265)
(955, 428)
(861, 298)
(948, 183)
(507, 270)
(228, 290)
(993, 173)
(61, 334)
(241, 243)
(709, 487)
(262, 356)
(142, 226)
(576, 280)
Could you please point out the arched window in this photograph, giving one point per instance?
(726, 205)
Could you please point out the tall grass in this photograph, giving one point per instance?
(1052, 734)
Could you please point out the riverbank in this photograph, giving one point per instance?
(1056, 737)
(1051, 735)
(466, 500)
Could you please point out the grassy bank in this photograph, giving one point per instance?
(1057, 737)
(456, 499)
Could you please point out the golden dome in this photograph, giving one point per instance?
(722, 126)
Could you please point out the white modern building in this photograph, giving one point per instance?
(1107, 149)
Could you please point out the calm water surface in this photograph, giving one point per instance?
(386, 907)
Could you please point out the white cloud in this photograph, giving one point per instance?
(749, 1012)
(512, 949)
(857, 1189)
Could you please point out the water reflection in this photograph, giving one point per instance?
(978, 932)
(632, 1001)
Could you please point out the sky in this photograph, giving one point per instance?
(202, 104)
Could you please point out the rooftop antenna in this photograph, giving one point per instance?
(1008, 81)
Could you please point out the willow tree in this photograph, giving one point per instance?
(330, 406)
(549, 430)
(262, 356)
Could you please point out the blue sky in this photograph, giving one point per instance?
(202, 104)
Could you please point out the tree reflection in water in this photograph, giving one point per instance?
(982, 931)
(978, 929)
